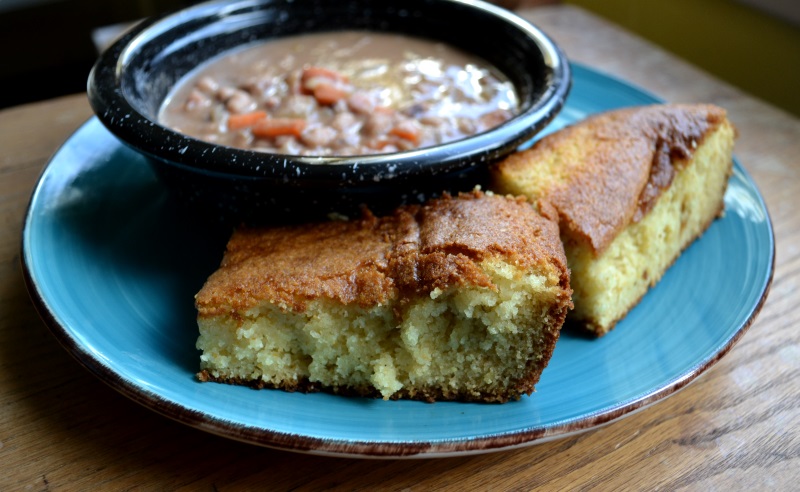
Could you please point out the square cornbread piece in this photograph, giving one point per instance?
(632, 189)
(457, 299)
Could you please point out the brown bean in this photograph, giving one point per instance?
(208, 85)
(197, 100)
(224, 93)
(319, 136)
(360, 103)
(494, 118)
(297, 106)
(378, 124)
(271, 102)
(466, 126)
(432, 121)
(346, 122)
(240, 102)
(345, 140)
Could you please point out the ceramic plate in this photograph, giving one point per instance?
(113, 266)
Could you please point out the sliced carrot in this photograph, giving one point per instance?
(406, 131)
(360, 102)
(321, 72)
(276, 127)
(244, 120)
(313, 77)
(327, 94)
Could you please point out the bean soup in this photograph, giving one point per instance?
(340, 93)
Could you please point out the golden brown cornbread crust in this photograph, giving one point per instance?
(367, 261)
(632, 189)
(392, 261)
(610, 168)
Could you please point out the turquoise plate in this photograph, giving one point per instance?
(113, 266)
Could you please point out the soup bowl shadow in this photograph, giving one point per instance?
(131, 80)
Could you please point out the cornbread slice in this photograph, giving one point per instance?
(632, 188)
(457, 299)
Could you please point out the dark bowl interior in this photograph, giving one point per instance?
(132, 78)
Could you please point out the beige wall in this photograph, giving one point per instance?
(754, 50)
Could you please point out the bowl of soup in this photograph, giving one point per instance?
(275, 110)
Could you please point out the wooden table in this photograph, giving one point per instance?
(737, 427)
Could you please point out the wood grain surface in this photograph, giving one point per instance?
(736, 428)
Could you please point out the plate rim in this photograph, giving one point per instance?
(359, 448)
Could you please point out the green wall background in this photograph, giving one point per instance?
(753, 50)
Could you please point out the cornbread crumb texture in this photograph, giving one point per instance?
(632, 188)
(461, 298)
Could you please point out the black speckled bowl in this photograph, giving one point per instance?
(131, 79)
